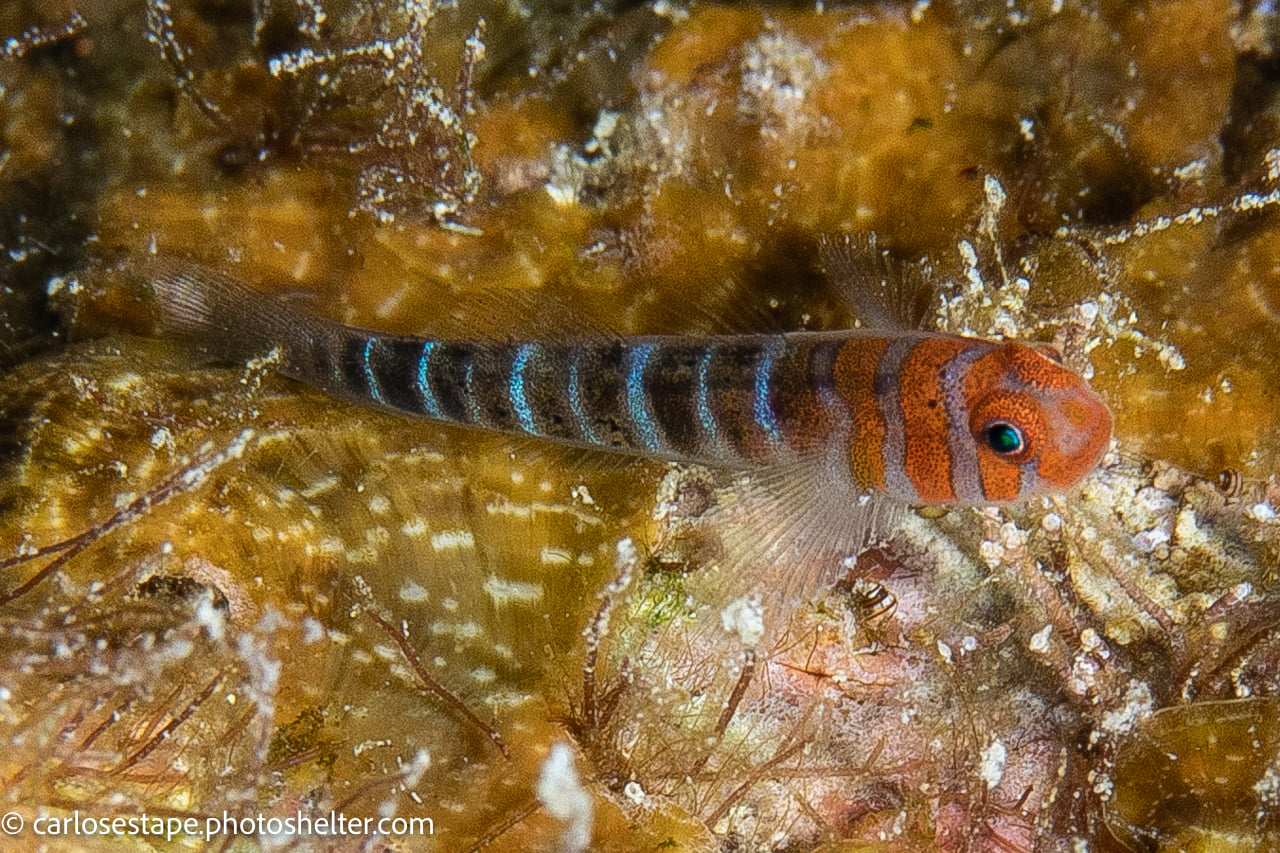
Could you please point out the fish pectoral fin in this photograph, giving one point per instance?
(787, 533)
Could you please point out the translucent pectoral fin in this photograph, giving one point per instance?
(786, 534)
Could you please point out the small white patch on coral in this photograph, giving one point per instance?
(412, 591)
(944, 651)
(505, 591)
(1040, 640)
(1138, 705)
(450, 540)
(744, 617)
(564, 798)
(1261, 512)
(994, 757)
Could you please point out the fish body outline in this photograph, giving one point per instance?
(919, 417)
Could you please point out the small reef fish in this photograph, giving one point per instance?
(920, 417)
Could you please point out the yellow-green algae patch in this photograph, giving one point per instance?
(1203, 776)
(212, 647)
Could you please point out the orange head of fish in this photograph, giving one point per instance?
(1037, 426)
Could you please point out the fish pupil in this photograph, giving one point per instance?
(1004, 438)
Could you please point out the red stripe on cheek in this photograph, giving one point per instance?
(855, 373)
(928, 456)
(1000, 479)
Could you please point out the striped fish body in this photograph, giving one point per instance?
(922, 417)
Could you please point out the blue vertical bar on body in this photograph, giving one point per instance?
(637, 398)
(762, 407)
(517, 389)
(702, 401)
(888, 393)
(370, 377)
(422, 383)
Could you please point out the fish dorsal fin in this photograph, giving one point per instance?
(693, 315)
(520, 314)
(881, 292)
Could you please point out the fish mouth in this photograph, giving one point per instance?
(1080, 444)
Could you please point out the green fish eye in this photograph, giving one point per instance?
(1004, 438)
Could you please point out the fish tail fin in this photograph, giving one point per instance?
(225, 316)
